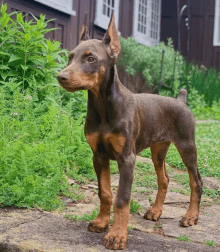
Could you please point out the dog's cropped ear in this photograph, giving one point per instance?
(84, 35)
(111, 40)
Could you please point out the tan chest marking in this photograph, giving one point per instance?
(92, 140)
(116, 140)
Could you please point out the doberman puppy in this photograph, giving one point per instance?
(120, 124)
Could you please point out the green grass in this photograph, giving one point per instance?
(85, 217)
(134, 206)
(114, 167)
(183, 238)
(210, 243)
(130, 228)
(144, 175)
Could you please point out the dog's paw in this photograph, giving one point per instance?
(98, 225)
(153, 214)
(116, 238)
(189, 220)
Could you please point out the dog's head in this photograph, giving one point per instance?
(91, 60)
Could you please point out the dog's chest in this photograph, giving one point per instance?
(106, 142)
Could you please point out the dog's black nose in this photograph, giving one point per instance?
(62, 77)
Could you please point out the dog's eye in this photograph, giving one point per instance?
(90, 59)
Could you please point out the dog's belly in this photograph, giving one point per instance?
(147, 139)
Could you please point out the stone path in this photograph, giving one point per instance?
(25, 230)
(35, 231)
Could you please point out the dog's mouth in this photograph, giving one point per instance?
(72, 88)
(75, 82)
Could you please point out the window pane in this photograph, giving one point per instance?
(139, 7)
(138, 27)
(144, 29)
(113, 3)
(104, 9)
(146, 2)
(139, 17)
(219, 30)
(108, 12)
(109, 2)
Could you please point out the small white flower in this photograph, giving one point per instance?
(28, 97)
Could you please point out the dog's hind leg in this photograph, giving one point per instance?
(187, 150)
(102, 169)
(159, 152)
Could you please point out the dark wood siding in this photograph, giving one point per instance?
(202, 16)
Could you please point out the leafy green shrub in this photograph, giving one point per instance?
(40, 140)
(27, 55)
(147, 59)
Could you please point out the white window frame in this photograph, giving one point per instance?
(216, 32)
(145, 38)
(102, 20)
(65, 6)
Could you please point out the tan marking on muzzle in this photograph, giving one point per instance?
(82, 81)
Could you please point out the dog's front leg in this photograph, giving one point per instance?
(117, 235)
(102, 169)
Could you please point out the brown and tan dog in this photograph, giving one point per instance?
(120, 124)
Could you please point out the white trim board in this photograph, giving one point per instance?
(216, 32)
(65, 6)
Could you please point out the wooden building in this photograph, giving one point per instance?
(204, 34)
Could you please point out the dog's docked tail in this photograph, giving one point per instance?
(182, 95)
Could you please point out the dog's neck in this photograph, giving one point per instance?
(108, 97)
